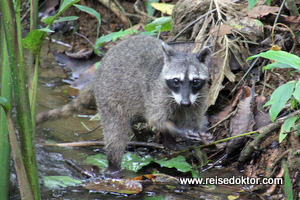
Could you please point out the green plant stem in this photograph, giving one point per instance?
(33, 78)
(4, 142)
(12, 26)
(25, 190)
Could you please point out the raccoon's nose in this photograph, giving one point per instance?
(185, 102)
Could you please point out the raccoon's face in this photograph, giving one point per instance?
(185, 74)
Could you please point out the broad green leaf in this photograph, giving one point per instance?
(279, 98)
(288, 189)
(179, 163)
(64, 19)
(134, 163)
(4, 103)
(160, 24)
(99, 160)
(150, 10)
(276, 65)
(89, 11)
(251, 4)
(64, 6)
(286, 127)
(57, 182)
(280, 56)
(33, 41)
(113, 36)
(296, 93)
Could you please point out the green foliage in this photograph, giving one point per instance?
(4, 103)
(279, 98)
(251, 4)
(99, 160)
(284, 93)
(34, 40)
(90, 11)
(155, 198)
(114, 36)
(64, 19)
(150, 10)
(134, 163)
(287, 126)
(287, 184)
(284, 59)
(160, 24)
(64, 6)
(58, 182)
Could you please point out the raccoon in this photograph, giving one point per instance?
(142, 79)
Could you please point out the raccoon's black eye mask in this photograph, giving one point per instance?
(195, 85)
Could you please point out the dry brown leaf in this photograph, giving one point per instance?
(292, 19)
(260, 11)
(242, 122)
(220, 30)
(227, 110)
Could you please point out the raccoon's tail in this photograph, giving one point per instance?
(84, 99)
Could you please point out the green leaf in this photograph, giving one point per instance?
(150, 10)
(296, 93)
(57, 182)
(99, 160)
(4, 103)
(113, 36)
(64, 6)
(179, 163)
(64, 19)
(160, 24)
(134, 163)
(276, 65)
(286, 127)
(89, 11)
(46, 30)
(155, 198)
(251, 4)
(268, 2)
(33, 41)
(280, 56)
(287, 184)
(279, 98)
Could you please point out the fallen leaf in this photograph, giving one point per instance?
(122, 186)
(163, 7)
(221, 30)
(260, 11)
(292, 19)
(227, 110)
(242, 122)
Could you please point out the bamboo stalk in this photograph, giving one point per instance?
(13, 35)
(4, 142)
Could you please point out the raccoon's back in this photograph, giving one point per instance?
(126, 70)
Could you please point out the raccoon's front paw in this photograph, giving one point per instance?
(191, 135)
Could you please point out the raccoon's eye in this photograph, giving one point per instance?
(176, 81)
(196, 82)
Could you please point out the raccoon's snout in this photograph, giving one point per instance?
(185, 102)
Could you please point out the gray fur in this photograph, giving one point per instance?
(130, 87)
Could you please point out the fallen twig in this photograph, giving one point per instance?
(262, 133)
(102, 143)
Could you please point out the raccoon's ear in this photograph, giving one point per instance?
(168, 51)
(204, 56)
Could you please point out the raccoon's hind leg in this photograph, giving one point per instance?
(116, 129)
